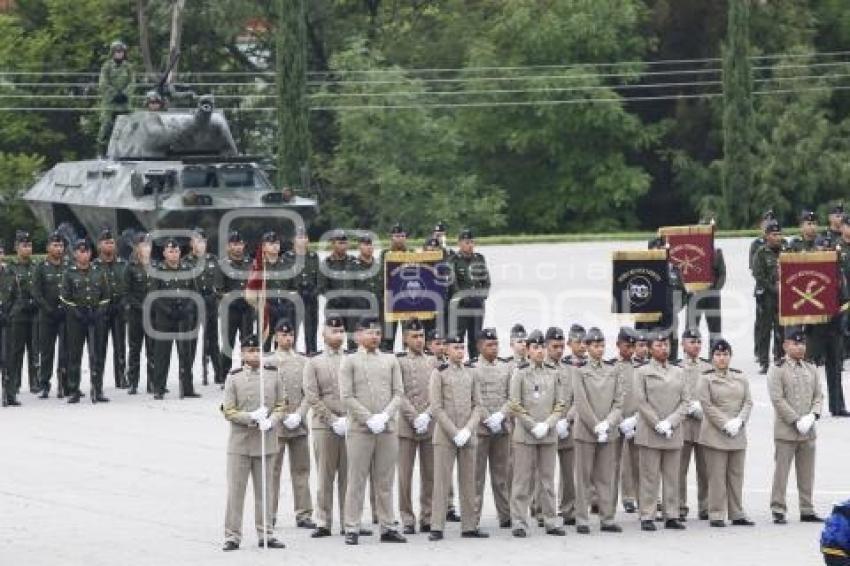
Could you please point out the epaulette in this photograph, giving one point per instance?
(314, 354)
(640, 363)
(269, 367)
(549, 365)
(477, 255)
(354, 351)
(401, 354)
(579, 364)
(523, 365)
(706, 360)
(442, 367)
(609, 362)
(733, 370)
(504, 360)
(708, 371)
(235, 371)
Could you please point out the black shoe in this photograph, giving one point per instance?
(505, 524)
(435, 535)
(779, 519)
(647, 526)
(272, 543)
(540, 522)
(321, 532)
(674, 524)
(100, 398)
(703, 515)
(364, 532)
(717, 523)
(519, 533)
(612, 528)
(392, 536)
(683, 518)
(75, 398)
(452, 516)
(594, 509)
(133, 390)
(230, 545)
(158, 396)
(191, 395)
(351, 539)
(60, 394)
(13, 401)
(477, 533)
(660, 518)
(424, 528)
(810, 518)
(556, 532)
(305, 524)
(35, 390)
(841, 413)
(763, 369)
(409, 530)
(583, 530)
(45, 393)
(742, 523)
(374, 520)
(629, 507)
(569, 522)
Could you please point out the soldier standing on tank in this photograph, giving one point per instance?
(138, 282)
(46, 287)
(85, 294)
(115, 316)
(23, 323)
(115, 85)
(8, 290)
(240, 316)
(306, 283)
(209, 282)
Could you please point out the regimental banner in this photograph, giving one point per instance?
(415, 285)
(809, 287)
(641, 284)
(692, 251)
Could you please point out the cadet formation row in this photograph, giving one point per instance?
(615, 427)
(51, 308)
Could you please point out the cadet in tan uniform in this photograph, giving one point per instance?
(566, 447)
(797, 398)
(455, 402)
(494, 441)
(692, 367)
(519, 348)
(329, 424)
(598, 392)
(662, 404)
(724, 394)
(292, 432)
(626, 464)
(537, 406)
(251, 420)
(371, 389)
(415, 430)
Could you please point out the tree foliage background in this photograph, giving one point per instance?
(510, 116)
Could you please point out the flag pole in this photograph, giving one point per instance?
(260, 311)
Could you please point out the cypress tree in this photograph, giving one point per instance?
(293, 133)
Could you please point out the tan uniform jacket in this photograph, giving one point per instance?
(290, 372)
(626, 369)
(455, 402)
(660, 392)
(321, 387)
(370, 383)
(692, 370)
(723, 395)
(494, 384)
(598, 393)
(241, 397)
(415, 376)
(566, 377)
(795, 391)
(536, 397)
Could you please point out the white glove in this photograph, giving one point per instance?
(695, 409)
(292, 421)
(629, 424)
(629, 434)
(733, 426)
(377, 423)
(602, 428)
(540, 430)
(494, 421)
(340, 426)
(462, 437)
(805, 423)
(265, 424)
(562, 427)
(421, 422)
(601, 437)
(259, 414)
(664, 428)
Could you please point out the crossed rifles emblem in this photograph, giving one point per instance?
(809, 295)
(687, 263)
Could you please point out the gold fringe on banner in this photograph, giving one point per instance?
(807, 319)
(638, 255)
(697, 286)
(808, 257)
(413, 257)
(644, 316)
(686, 230)
(401, 317)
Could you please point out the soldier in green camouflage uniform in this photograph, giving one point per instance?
(115, 315)
(306, 283)
(470, 274)
(8, 290)
(85, 294)
(807, 240)
(137, 283)
(370, 279)
(240, 316)
(209, 282)
(278, 285)
(175, 314)
(335, 277)
(115, 85)
(23, 320)
(754, 247)
(766, 271)
(46, 288)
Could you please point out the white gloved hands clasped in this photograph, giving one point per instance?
(292, 421)
(733, 426)
(259, 414)
(494, 422)
(601, 428)
(664, 428)
(629, 425)
(340, 426)
(462, 437)
(562, 427)
(265, 424)
(377, 423)
(695, 409)
(805, 423)
(540, 430)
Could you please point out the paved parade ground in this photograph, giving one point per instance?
(139, 481)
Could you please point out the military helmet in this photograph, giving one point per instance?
(117, 45)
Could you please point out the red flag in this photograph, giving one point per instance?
(255, 289)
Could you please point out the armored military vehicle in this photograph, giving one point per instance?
(168, 171)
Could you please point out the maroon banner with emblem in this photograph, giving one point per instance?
(809, 287)
(692, 251)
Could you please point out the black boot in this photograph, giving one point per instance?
(45, 392)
